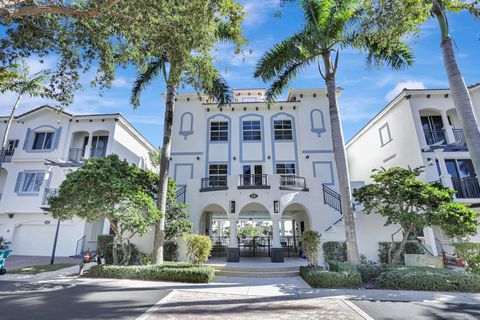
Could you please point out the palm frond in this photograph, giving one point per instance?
(396, 55)
(283, 80)
(317, 12)
(220, 91)
(144, 79)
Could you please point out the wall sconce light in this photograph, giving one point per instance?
(276, 206)
(268, 157)
(198, 158)
(430, 161)
(234, 158)
(232, 206)
(307, 157)
(11, 215)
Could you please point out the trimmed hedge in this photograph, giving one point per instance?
(411, 247)
(428, 279)
(339, 266)
(335, 250)
(178, 272)
(370, 271)
(319, 278)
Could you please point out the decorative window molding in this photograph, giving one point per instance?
(29, 183)
(42, 139)
(317, 122)
(385, 135)
(186, 125)
(329, 166)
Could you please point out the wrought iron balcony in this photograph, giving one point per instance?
(288, 182)
(47, 194)
(459, 137)
(214, 183)
(467, 188)
(253, 181)
(435, 136)
(76, 154)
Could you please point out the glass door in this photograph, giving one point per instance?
(252, 175)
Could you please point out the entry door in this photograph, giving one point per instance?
(252, 175)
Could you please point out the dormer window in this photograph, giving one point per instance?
(42, 141)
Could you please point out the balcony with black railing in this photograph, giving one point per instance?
(253, 181)
(214, 183)
(459, 137)
(466, 188)
(288, 182)
(437, 136)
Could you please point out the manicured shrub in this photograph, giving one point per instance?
(335, 250)
(370, 271)
(311, 246)
(198, 248)
(165, 272)
(339, 266)
(105, 246)
(428, 279)
(170, 249)
(319, 278)
(411, 247)
(144, 259)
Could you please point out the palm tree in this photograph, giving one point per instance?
(16, 78)
(329, 27)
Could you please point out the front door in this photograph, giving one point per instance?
(252, 175)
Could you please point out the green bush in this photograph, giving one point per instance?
(335, 250)
(428, 279)
(144, 259)
(411, 247)
(170, 248)
(370, 271)
(105, 246)
(311, 246)
(319, 278)
(339, 266)
(165, 272)
(198, 248)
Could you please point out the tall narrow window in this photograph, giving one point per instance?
(219, 131)
(285, 168)
(251, 131)
(217, 174)
(283, 129)
(42, 141)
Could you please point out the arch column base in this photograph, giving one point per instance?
(233, 254)
(276, 255)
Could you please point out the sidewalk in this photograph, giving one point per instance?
(52, 275)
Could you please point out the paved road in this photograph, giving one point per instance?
(397, 310)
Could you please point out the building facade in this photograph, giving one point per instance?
(257, 163)
(420, 128)
(44, 146)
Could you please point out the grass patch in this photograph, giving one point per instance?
(42, 268)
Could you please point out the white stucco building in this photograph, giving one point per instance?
(44, 145)
(420, 128)
(254, 163)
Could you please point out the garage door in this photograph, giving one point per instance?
(37, 240)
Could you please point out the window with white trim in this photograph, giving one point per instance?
(285, 168)
(32, 181)
(252, 130)
(219, 131)
(283, 129)
(43, 140)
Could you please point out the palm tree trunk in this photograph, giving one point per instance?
(163, 181)
(460, 95)
(353, 256)
(7, 130)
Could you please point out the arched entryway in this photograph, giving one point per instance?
(214, 223)
(255, 231)
(294, 221)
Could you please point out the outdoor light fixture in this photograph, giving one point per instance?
(276, 206)
(430, 161)
(11, 215)
(232, 206)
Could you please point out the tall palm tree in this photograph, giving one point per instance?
(329, 27)
(17, 79)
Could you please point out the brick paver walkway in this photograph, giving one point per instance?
(191, 305)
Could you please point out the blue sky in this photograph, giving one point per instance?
(365, 91)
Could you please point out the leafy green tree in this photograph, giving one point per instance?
(177, 217)
(17, 78)
(185, 58)
(311, 246)
(398, 195)
(198, 248)
(109, 188)
(330, 26)
(398, 19)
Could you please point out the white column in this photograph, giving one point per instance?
(233, 233)
(276, 233)
(419, 128)
(445, 177)
(88, 147)
(430, 240)
(448, 128)
(282, 227)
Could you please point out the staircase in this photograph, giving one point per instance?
(256, 272)
(333, 199)
(181, 194)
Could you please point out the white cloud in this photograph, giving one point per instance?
(258, 11)
(409, 84)
(146, 119)
(121, 82)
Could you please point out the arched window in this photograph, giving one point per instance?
(317, 122)
(186, 124)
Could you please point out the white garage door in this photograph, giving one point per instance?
(37, 240)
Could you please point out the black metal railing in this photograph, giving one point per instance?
(253, 181)
(459, 137)
(47, 194)
(214, 183)
(292, 182)
(7, 154)
(76, 154)
(219, 245)
(255, 246)
(334, 224)
(435, 136)
(289, 245)
(467, 188)
(181, 194)
(332, 198)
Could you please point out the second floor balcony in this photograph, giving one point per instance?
(254, 181)
(466, 188)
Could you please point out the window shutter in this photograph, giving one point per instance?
(28, 138)
(56, 138)
(19, 181)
